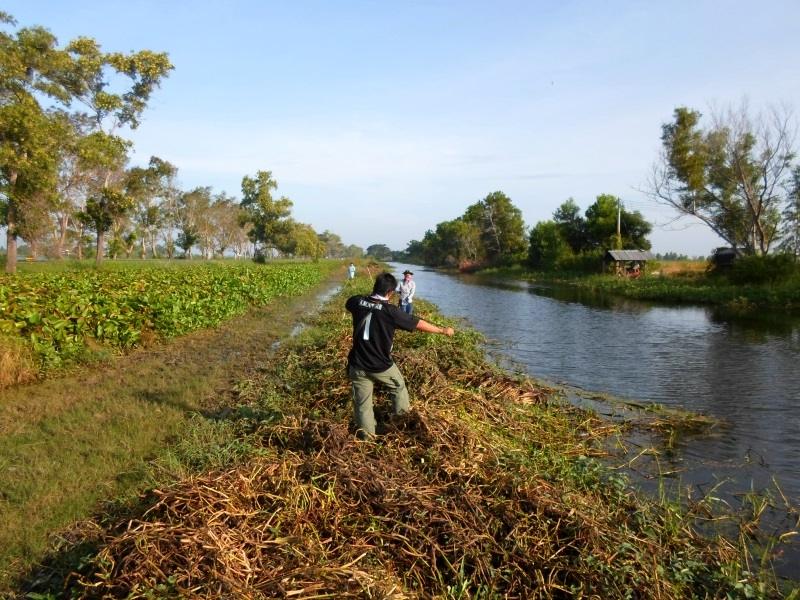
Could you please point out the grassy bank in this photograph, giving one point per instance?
(489, 488)
(69, 443)
(677, 286)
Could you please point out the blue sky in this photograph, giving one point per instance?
(381, 119)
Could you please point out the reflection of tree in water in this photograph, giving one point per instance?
(592, 298)
(758, 326)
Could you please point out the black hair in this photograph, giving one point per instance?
(384, 283)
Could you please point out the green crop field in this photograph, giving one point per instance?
(57, 315)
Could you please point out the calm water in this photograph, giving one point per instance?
(744, 373)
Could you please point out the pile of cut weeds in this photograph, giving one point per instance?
(487, 489)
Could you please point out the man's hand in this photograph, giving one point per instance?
(431, 328)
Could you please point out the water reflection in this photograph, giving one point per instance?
(743, 372)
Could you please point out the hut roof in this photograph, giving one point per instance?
(642, 255)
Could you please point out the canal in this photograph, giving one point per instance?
(744, 374)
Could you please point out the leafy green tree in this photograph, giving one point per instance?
(185, 240)
(334, 247)
(226, 217)
(732, 175)
(72, 185)
(455, 243)
(34, 221)
(103, 158)
(353, 251)
(601, 225)
(379, 252)
(501, 227)
(147, 186)
(300, 239)
(193, 208)
(547, 246)
(571, 225)
(268, 216)
(32, 70)
(634, 229)
(110, 111)
(100, 212)
(791, 216)
(415, 252)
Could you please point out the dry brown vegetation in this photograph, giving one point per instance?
(682, 268)
(16, 363)
(483, 491)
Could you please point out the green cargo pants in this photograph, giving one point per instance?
(362, 383)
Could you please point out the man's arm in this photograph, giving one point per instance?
(431, 328)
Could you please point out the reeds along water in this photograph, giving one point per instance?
(486, 489)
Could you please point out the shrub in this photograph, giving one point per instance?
(770, 268)
(585, 262)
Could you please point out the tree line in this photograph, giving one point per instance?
(738, 175)
(65, 184)
(491, 232)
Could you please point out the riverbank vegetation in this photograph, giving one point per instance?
(49, 320)
(753, 284)
(490, 487)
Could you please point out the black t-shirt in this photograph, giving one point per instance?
(374, 322)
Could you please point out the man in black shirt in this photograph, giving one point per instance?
(375, 319)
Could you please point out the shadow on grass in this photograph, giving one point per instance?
(74, 551)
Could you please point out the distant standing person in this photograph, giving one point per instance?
(351, 271)
(407, 288)
(375, 319)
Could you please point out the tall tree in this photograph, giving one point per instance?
(571, 225)
(334, 247)
(547, 246)
(601, 225)
(226, 216)
(193, 220)
(456, 243)
(353, 251)
(149, 186)
(268, 216)
(300, 239)
(103, 158)
(501, 226)
(107, 111)
(379, 251)
(791, 226)
(72, 185)
(32, 68)
(732, 176)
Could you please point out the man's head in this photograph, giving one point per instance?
(407, 274)
(385, 283)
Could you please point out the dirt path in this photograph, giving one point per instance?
(68, 443)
